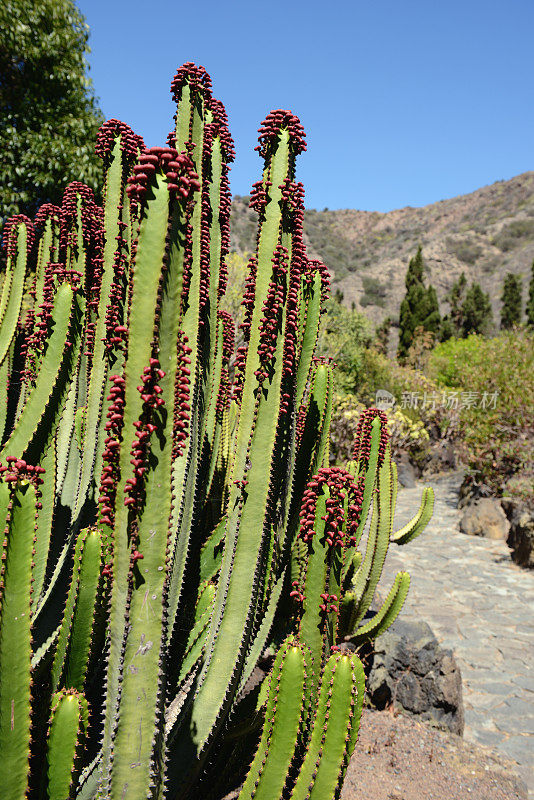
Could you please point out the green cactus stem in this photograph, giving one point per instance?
(18, 500)
(335, 730)
(67, 730)
(286, 712)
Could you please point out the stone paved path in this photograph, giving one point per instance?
(480, 605)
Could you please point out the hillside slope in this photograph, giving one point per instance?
(484, 234)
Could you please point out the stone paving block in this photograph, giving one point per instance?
(488, 738)
(517, 747)
(525, 682)
(479, 604)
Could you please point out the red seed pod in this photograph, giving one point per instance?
(195, 77)
(221, 130)
(182, 182)
(271, 126)
(225, 386)
(338, 530)
(362, 442)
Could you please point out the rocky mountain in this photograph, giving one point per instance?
(485, 234)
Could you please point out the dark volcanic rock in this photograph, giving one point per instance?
(413, 673)
(521, 536)
(405, 471)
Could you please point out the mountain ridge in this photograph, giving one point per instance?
(485, 233)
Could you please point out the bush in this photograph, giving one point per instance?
(374, 292)
(464, 249)
(510, 235)
(500, 439)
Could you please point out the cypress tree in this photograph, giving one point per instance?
(419, 309)
(476, 312)
(511, 301)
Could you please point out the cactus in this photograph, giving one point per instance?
(171, 528)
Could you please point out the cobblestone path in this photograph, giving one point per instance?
(480, 605)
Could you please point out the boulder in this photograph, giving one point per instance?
(521, 535)
(485, 517)
(411, 672)
(405, 471)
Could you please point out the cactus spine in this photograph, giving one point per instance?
(168, 525)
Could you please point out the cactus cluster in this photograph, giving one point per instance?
(181, 582)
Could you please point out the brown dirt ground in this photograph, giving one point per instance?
(397, 758)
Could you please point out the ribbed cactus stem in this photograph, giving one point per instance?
(18, 510)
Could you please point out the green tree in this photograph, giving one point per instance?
(476, 312)
(530, 301)
(345, 336)
(48, 113)
(511, 301)
(419, 309)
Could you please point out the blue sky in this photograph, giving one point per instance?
(404, 102)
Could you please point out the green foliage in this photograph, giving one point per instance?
(499, 439)
(513, 234)
(166, 524)
(465, 250)
(374, 292)
(477, 314)
(382, 334)
(453, 324)
(419, 309)
(470, 312)
(511, 301)
(345, 337)
(48, 115)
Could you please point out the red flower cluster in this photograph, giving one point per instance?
(205, 219)
(341, 486)
(181, 178)
(150, 392)
(18, 469)
(220, 118)
(327, 606)
(223, 395)
(182, 407)
(91, 217)
(110, 471)
(362, 442)
(311, 268)
(272, 310)
(271, 127)
(195, 77)
(131, 143)
(187, 264)
(47, 211)
(249, 295)
(10, 234)
(259, 195)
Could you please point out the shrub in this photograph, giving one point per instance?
(500, 439)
